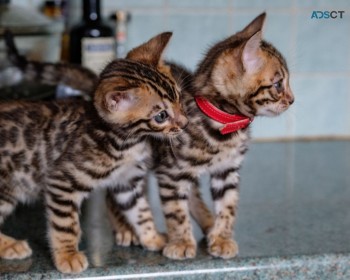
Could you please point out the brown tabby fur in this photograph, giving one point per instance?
(65, 149)
(240, 75)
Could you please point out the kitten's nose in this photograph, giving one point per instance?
(291, 101)
(183, 122)
(290, 98)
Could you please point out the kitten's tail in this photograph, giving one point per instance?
(71, 75)
(18, 60)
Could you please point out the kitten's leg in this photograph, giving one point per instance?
(200, 211)
(11, 248)
(63, 205)
(133, 203)
(174, 196)
(124, 233)
(224, 190)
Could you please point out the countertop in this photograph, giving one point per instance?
(293, 223)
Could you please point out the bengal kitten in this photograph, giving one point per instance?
(65, 149)
(241, 75)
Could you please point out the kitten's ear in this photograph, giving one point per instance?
(251, 58)
(151, 51)
(255, 26)
(121, 101)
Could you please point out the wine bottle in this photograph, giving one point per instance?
(91, 42)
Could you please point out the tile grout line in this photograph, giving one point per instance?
(293, 49)
(348, 91)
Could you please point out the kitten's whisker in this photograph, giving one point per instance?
(127, 137)
(179, 139)
(172, 148)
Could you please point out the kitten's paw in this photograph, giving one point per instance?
(180, 249)
(15, 249)
(71, 262)
(222, 247)
(126, 238)
(155, 243)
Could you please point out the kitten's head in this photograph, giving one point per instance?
(246, 74)
(139, 92)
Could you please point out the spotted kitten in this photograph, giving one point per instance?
(65, 149)
(241, 75)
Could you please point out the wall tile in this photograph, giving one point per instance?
(262, 4)
(144, 26)
(324, 3)
(277, 127)
(194, 34)
(322, 45)
(198, 3)
(321, 106)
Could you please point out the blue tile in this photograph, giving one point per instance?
(144, 26)
(198, 3)
(321, 106)
(262, 4)
(277, 127)
(324, 3)
(322, 45)
(193, 34)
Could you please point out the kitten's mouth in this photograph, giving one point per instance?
(173, 135)
(278, 111)
(163, 136)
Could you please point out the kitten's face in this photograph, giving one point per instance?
(140, 94)
(268, 92)
(144, 107)
(249, 74)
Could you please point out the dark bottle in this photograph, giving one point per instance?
(91, 42)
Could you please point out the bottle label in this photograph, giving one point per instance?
(97, 52)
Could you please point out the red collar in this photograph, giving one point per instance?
(232, 122)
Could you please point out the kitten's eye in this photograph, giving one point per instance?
(278, 86)
(161, 117)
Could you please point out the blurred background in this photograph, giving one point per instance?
(317, 50)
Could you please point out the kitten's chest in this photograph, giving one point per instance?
(134, 162)
(137, 154)
(227, 157)
(230, 153)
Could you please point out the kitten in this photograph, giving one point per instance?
(242, 75)
(65, 149)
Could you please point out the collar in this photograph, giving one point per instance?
(232, 122)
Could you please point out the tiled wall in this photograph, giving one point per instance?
(317, 51)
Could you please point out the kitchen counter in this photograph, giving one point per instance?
(293, 223)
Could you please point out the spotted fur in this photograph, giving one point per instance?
(240, 75)
(65, 149)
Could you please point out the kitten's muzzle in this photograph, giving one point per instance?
(290, 97)
(180, 120)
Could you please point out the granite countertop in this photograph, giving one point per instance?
(293, 223)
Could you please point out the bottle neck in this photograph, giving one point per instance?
(91, 10)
